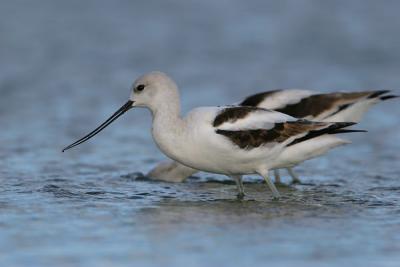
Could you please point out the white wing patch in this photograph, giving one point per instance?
(255, 118)
(283, 98)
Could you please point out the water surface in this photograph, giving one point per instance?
(66, 66)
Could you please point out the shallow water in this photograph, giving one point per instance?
(66, 66)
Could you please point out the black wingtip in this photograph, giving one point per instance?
(339, 125)
(333, 128)
(386, 97)
(339, 128)
(382, 95)
(375, 94)
(348, 131)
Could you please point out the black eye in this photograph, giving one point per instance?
(140, 87)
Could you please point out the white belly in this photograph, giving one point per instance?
(198, 146)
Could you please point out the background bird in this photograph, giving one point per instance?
(299, 103)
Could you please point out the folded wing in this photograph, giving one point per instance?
(316, 106)
(250, 127)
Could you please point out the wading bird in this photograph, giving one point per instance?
(299, 103)
(230, 140)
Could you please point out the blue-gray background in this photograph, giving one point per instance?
(67, 65)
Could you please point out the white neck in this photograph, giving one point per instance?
(168, 127)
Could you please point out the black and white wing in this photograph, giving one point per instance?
(252, 127)
(306, 104)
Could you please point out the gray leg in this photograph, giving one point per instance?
(295, 178)
(277, 176)
(271, 185)
(239, 184)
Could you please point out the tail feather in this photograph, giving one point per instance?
(309, 149)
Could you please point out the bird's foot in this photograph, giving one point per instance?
(296, 181)
(240, 196)
(283, 185)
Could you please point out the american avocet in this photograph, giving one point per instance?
(230, 140)
(299, 103)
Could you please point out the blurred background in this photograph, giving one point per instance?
(65, 66)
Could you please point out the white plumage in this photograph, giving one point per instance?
(336, 107)
(231, 140)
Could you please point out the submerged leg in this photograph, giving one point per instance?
(277, 176)
(295, 178)
(271, 185)
(239, 184)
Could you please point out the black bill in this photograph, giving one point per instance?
(119, 112)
